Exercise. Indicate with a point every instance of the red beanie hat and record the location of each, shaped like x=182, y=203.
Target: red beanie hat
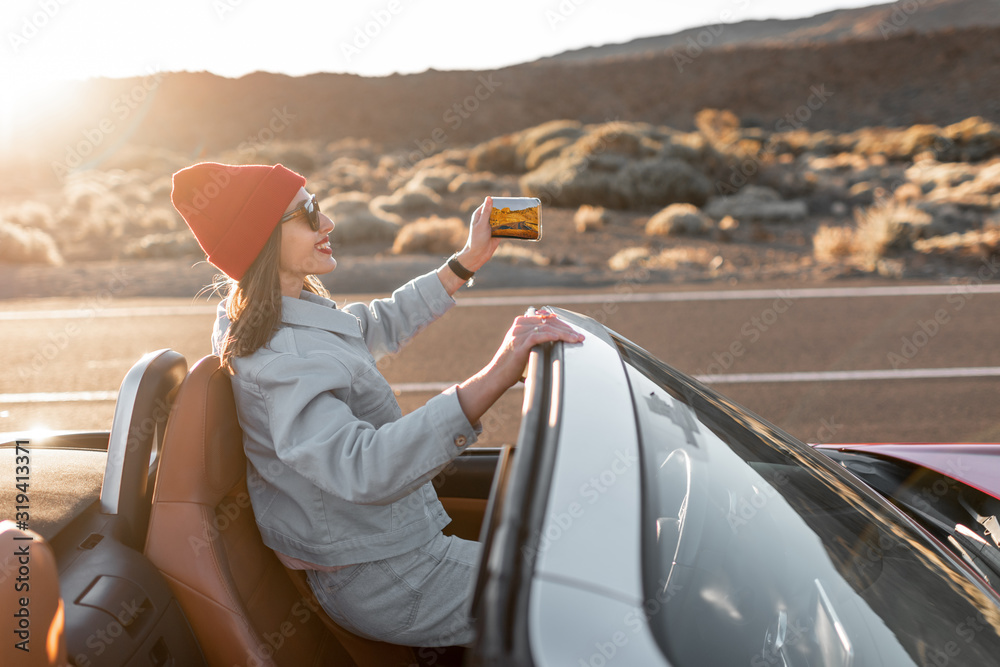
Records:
x=232, y=209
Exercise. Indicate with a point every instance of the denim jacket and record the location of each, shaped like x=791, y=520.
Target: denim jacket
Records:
x=336, y=474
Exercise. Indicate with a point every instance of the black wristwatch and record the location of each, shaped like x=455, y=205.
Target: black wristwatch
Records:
x=460, y=271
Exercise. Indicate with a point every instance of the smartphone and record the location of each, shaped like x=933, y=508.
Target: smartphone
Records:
x=517, y=218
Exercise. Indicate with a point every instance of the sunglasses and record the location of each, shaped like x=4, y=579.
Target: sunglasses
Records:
x=311, y=208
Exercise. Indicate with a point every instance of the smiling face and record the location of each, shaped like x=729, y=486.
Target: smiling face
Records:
x=303, y=251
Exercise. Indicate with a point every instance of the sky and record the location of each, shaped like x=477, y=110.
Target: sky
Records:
x=44, y=40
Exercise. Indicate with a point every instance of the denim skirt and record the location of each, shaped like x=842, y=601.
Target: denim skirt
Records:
x=420, y=598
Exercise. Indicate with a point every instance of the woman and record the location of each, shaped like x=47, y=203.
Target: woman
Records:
x=339, y=480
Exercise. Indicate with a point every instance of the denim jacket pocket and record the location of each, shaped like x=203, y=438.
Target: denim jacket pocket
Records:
x=370, y=393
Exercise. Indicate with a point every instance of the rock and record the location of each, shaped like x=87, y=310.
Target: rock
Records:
x=677, y=220
x=754, y=203
x=588, y=218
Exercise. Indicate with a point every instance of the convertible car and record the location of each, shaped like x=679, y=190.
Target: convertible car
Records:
x=641, y=518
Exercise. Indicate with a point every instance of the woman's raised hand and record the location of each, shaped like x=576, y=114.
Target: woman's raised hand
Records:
x=481, y=244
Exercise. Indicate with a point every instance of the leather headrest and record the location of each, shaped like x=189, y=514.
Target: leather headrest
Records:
x=203, y=445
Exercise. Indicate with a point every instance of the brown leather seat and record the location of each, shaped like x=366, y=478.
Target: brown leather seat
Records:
x=24, y=553
x=242, y=604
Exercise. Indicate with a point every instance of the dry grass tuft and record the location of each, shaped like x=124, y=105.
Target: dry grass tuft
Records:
x=431, y=236
x=832, y=244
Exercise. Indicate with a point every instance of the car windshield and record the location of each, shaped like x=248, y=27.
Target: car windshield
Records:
x=759, y=552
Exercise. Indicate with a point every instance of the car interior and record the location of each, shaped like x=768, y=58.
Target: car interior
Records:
x=144, y=548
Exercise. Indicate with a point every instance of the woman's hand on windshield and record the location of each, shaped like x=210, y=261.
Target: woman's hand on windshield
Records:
x=480, y=391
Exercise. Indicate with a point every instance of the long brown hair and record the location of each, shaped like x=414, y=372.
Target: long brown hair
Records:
x=254, y=303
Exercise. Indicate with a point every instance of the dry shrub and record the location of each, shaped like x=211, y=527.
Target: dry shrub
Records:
x=347, y=174
x=615, y=181
x=629, y=139
x=974, y=139
x=24, y=245
x=147, y=158
x=679, y=219
x=977, y=243
x=720, y=126
x=520, y=255
x=93, y=220
x=464, y=184
x=547, y=151
x=431, y=236
x=435, y=178
x=498, y=155
x=414, y=201
x=668, y=258
x=890, y=227
x=832, y=244
x=675, y=258
x=32, y=214
x=531, y=139
x=355, y=222
x=629, y=258
x=299, y=156
x=168, y=245
x=588, y=218
x=757, y=203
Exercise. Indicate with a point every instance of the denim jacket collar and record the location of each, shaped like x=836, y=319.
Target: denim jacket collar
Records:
x=312, y=310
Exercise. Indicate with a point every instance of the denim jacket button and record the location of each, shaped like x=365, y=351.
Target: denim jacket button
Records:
x=460, y=440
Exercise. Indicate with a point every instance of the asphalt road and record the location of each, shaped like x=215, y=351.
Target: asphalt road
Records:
x=826, y=364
